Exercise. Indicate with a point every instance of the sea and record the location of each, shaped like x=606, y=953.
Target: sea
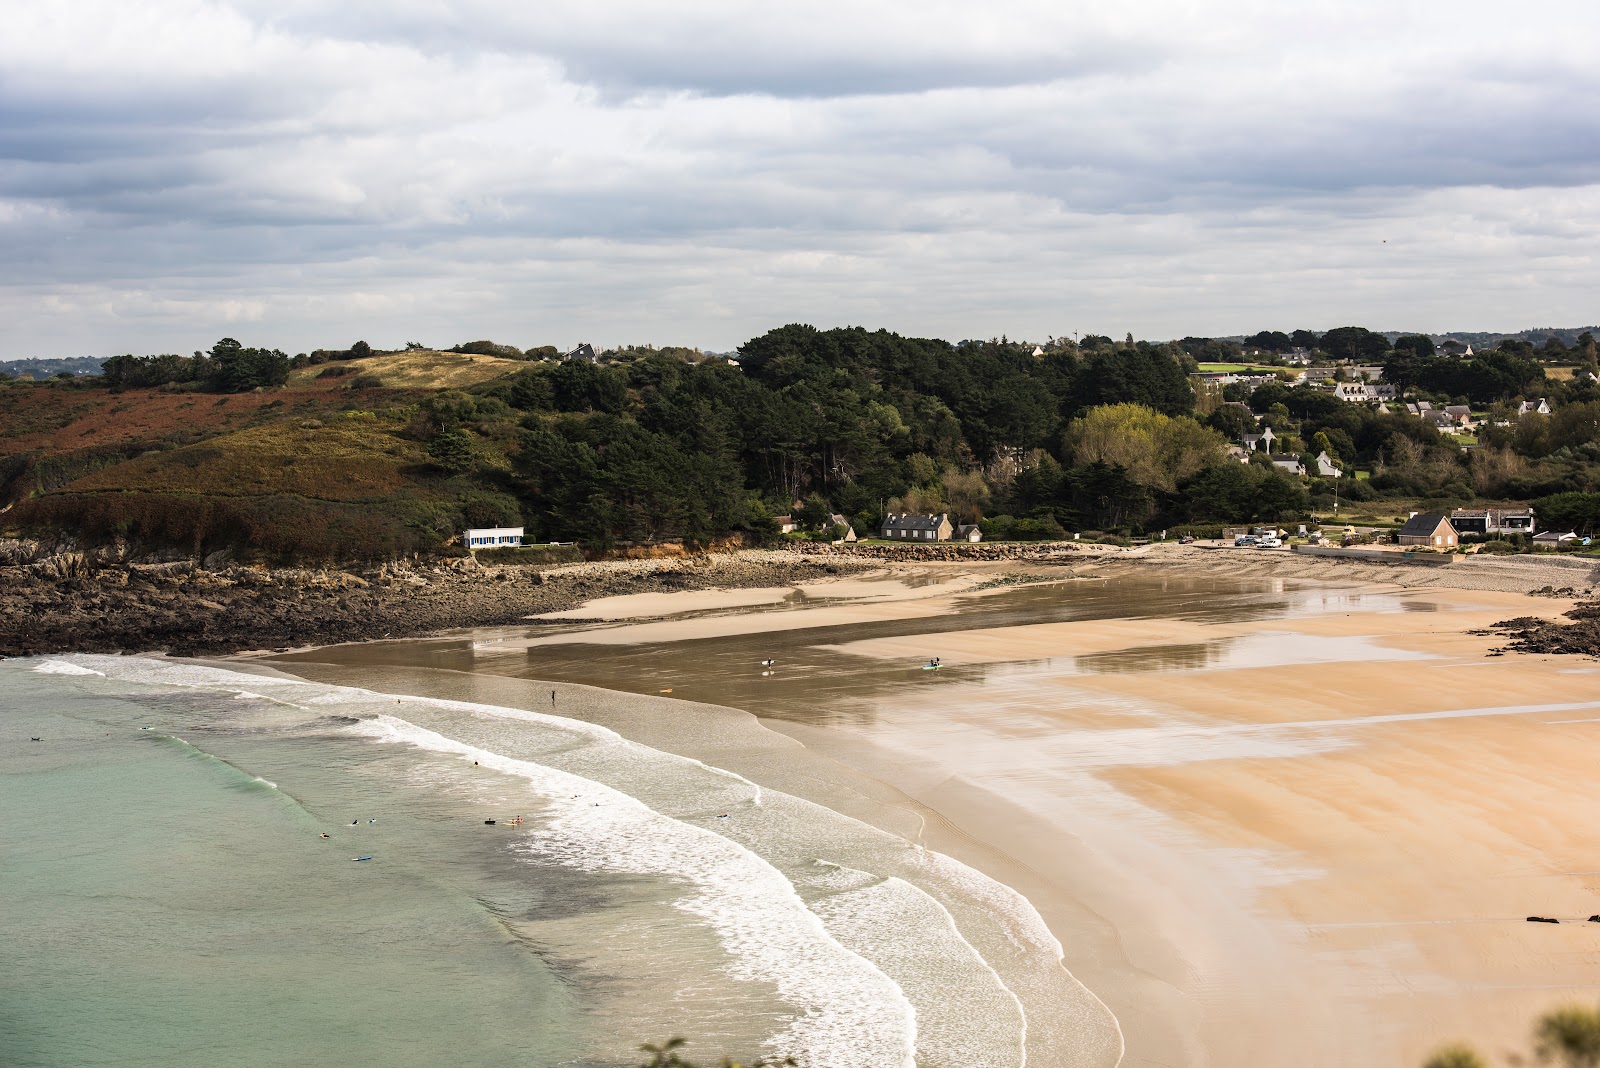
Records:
x=206, y=864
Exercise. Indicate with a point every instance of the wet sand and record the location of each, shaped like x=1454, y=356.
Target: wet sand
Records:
x=1272, y=822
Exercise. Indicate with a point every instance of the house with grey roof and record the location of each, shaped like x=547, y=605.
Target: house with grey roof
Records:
x=1262, y=441
x=836, y=520
x=1428, y=528
x=584, y=351
x=908, y=527
x=1290, y=463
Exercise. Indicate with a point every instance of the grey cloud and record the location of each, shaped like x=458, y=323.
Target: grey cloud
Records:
x=568, y=168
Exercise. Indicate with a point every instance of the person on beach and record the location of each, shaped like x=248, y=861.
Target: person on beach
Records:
x=552, y=699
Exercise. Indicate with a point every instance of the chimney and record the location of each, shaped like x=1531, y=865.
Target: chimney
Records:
x=1413, y=515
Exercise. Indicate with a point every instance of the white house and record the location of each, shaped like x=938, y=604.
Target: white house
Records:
x=1537, y=407
x=1362, y=392
x=1262, y=440
x=1325, y=467
x=1290, y=463
x=491, y=537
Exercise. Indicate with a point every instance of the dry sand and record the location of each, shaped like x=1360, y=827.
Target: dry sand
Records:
x=1308, y=842
x=1266, y=860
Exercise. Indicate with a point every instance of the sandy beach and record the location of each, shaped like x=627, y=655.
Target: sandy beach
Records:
x=1308, y=835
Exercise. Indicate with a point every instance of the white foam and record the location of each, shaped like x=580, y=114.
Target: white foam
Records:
x=977, y=909
x=62, y=667
x=915, y=939
x=851, y=1014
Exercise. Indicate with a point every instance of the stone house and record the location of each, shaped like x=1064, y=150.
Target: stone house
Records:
x=907, y=527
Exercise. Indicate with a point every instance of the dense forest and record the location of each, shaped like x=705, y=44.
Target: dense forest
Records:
x=1031, y=441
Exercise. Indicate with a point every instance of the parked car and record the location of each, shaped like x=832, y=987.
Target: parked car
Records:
x=1186, y=539
x=1271, y=541
x=1245, y=540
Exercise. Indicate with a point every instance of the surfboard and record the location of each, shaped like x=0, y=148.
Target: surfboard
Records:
x=360, y=858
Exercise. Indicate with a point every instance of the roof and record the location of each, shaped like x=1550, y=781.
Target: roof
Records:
x=916, y=522
x=1422, y=525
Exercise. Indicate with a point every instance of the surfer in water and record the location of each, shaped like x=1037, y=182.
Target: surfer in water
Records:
x=768, y=663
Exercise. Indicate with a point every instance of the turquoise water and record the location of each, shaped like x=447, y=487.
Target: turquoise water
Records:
x=170, y=900
x=165, y=906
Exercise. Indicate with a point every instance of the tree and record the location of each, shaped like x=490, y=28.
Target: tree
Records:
x=967, y=493
x=453, y=451
x=1418, y=345
x=1153, y=449
x=813, y=514
x=1231, y=421
x=1265, y=396
x=1570, y=1035
x=1456, y=1055
x=236, y=369
x=360, y=350
x=1354, y=343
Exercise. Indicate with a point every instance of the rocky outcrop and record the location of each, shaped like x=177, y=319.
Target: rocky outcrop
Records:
x=951, y=551
x=68, y=602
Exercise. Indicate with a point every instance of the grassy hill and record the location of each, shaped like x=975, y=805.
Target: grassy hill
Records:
x=325, y=467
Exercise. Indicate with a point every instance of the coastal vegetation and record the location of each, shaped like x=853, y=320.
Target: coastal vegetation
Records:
x=358, y=454
x=1568, y=1036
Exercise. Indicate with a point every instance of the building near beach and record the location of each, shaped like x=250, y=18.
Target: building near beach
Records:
x=1428, y=528
x=1488, y=521
x=492, y=537
x=918, y=527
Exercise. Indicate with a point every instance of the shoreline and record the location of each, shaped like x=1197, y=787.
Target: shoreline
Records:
x=1106, y=884
x=70, y=604
x=73, y=602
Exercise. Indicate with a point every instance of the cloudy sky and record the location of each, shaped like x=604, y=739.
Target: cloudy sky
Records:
x=303, y=173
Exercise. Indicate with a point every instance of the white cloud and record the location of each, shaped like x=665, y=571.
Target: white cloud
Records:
x=702, y=171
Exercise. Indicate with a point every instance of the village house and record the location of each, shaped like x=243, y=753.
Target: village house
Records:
x=1363, y=392
x=1290, y=463
x=918, y=527
x=1488, y=521
x=968, y=532
x=1428, y=528
x=491, y=537
x=785, y=524
x=836, y=520
x=1452, y=347
x=584, y=351
x=1461, y=416
x=1324, y=467
x=1262, y=441
x=1550, y=539
x=1534, y=407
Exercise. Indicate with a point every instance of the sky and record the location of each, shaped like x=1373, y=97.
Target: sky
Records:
x=301, y=173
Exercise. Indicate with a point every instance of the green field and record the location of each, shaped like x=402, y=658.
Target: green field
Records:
x=1235, y=368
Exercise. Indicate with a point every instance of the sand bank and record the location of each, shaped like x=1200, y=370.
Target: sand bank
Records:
x=1306, y=837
